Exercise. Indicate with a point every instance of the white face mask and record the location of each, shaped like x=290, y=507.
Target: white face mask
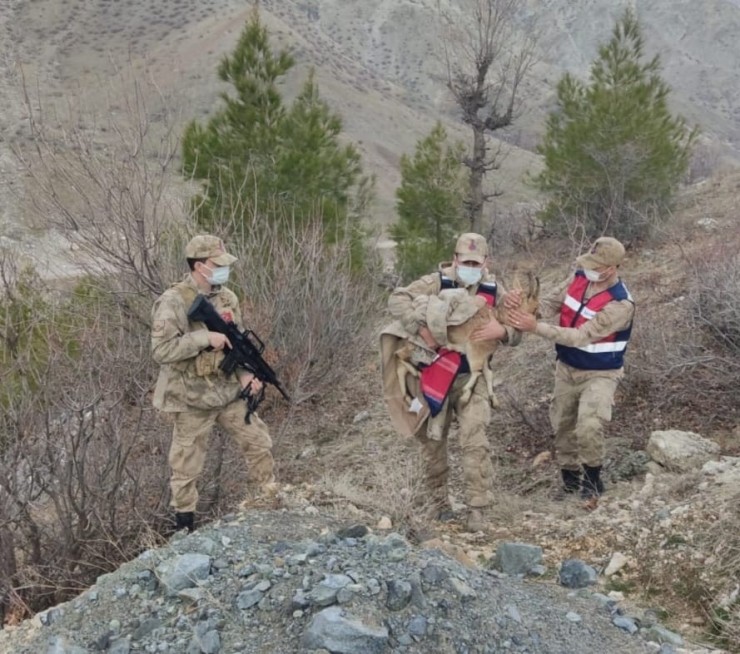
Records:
x=218, y=276
x=469, y=275
x=592, y=275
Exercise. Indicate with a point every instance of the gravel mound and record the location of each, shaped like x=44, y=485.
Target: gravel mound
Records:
x=278, y=582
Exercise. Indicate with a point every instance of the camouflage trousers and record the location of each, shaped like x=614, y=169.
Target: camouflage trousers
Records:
x=472, y=419
x=190, y=441
x=581, y=407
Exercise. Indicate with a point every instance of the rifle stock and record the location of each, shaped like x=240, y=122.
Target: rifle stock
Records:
x=245, y=351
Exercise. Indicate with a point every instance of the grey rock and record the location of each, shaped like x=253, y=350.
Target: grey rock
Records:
x=354, y=531
x=434, y=574
x=623, y=622
x=574, y=573
x=184, y=571
x=417, y=593
x=513, y=612
x=61, y=645
x=417, y=626
x=517, y=558
x=399, y=594
x=463, y=591
x=331, y=630
x=120, y=646
x=659, y=634
x=325, y=593
x=680, y=451
x=145, y=628
x=210, y=642
x=300, y=601
x=51, y=616
x=248, y=598
x=572, y=616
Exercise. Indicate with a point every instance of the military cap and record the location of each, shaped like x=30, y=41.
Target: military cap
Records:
x=205, y=246
x=605, y=251
x=471, y=247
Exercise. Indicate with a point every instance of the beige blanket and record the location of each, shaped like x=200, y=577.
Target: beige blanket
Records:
x=437, y=312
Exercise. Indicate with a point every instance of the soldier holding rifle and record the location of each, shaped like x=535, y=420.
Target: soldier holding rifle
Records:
x=192, y=386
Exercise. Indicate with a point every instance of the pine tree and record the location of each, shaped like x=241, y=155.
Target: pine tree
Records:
x=430, y=204
x=311, y=164
x=256, y=153
x=614, y=154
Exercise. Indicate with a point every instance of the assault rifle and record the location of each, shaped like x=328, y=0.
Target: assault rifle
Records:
x=245, y=351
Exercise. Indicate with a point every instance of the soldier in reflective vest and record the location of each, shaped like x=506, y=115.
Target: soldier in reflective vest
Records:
x=467, y=270
x=596, y=312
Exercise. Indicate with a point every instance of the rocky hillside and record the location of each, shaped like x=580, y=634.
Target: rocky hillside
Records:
x=378, y=62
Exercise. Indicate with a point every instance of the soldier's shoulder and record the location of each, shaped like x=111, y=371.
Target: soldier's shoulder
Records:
x=171, y=298
x=229, y=295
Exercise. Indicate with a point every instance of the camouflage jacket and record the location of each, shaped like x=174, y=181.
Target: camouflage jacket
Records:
x=189, y=377
x=402, y=307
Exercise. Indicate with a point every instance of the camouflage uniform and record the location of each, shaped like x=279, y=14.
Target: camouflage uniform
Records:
x=191, y=387
x=473, y=418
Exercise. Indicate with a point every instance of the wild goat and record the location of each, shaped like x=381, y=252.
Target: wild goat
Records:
x=458, y=337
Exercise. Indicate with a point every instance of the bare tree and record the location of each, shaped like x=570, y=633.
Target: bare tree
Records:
x=487, y=58
x=102, y=177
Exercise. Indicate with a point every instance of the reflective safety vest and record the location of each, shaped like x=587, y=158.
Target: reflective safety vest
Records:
x=606, y=354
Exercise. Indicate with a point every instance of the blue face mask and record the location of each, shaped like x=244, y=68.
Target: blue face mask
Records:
x=469, y=275
x=219, y=276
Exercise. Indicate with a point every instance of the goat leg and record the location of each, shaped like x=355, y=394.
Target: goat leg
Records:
x=488, y=376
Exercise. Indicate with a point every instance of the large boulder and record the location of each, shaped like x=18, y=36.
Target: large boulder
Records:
x=680, y=451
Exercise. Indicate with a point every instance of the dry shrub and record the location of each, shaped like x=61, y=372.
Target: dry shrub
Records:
x=721, y=580
x=715, y=299
x=514, y=230
x=102, y=178
x=380, y=474
x=306, y=296
x=82, y=454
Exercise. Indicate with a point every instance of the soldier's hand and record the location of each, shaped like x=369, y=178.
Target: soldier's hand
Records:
x=254, y=384
x=427, y=337
x=491, y=331
x=524, y=322
x=217, y=341
x=513, y=299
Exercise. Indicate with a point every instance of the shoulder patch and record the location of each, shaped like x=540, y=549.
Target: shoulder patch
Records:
x=158, y=327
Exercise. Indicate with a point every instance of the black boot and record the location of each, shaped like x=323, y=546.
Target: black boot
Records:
x=185, y=521
x=571, y=480
x=592, y=486
x=571, y=484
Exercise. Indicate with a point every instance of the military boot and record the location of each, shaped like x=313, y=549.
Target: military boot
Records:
x=570, y=486
x=185, y=521
x=591, y=484
x=476, y=520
